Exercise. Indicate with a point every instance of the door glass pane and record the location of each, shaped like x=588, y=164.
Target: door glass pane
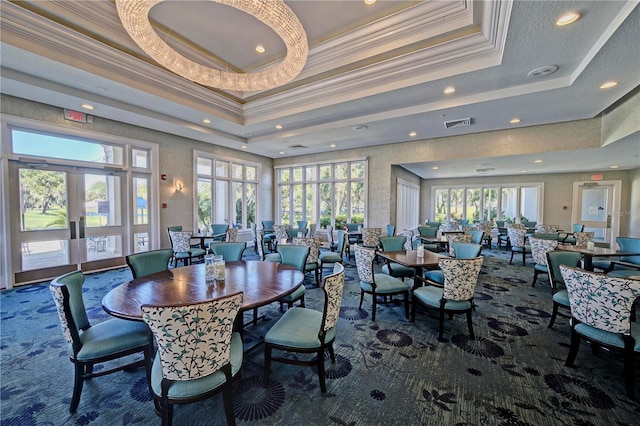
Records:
x=473, y=205
x=297, y=201
x=204, y=203
x=284, y=205
x=594, y=205
x=238, y=198
x=44, y=254
x=509, y=206
x=102, y=195
x=529, y=204
x=141, y=242
x=340, y=194
x=222, y=168
x=490, y=204
x=457, y=204
x=140, y=190
x=251, y=203
x=204, y=166
x=357, y=202
x=325, y=206
x=442, y=204
x=104, y=247
x=221, y=207
x=43, y=200
x=139, y=158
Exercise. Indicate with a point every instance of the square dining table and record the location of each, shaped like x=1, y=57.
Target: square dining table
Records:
x=589, y=254
x=411, y=259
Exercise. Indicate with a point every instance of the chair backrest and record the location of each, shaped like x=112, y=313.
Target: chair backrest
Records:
x=312, y=229
x=452, y=238
x=364, y=263
x=530, y=224
x=302, y=223
x=547, y=229
x=484, y=226
x=599, y=300
x=393, y=243
x=180, y=241
x=427, y=231
x=578, y=227
x=466, y=250
x=260, y=244
x=629, y=244
x=230, y=251
x=433, y=224
x=208, y=345
x=67, y=295
x=460, y=277
x=408, y=234
x=149, y=262
x=330, y=234
x=371, y=237
x=293, y=255
x=476, y=236
x=342, y=242
x=281, y=232
x=314, y=247
x=353, y=226
x=332, y=286
x=391, y=230
x=176, y=228
x=267, y=224
x=582, y=238
x=232, y=235
x=451, y=225
x=516, y=236
x=219, y=228
x=539, y=249
x=557, y=258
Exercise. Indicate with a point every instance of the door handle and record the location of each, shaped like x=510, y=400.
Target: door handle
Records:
x=81, y=225
x=72, y=228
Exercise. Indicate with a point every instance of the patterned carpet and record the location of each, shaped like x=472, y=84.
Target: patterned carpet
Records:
x=388, y=372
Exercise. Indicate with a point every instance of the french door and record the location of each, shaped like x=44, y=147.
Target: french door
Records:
x=65, y=218
x=595, y=207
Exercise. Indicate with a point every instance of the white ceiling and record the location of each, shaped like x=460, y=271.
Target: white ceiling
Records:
x=382, y=66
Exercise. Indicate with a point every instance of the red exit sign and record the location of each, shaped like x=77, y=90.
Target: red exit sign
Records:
x=72, y=115
x=596, y=177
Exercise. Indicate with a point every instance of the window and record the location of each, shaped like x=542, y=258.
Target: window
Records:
x=226, y=192
x=509, y=202
x=326, y=194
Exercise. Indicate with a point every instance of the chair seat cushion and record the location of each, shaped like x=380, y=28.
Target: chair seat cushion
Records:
x=385, y=284
x=526, y=249
x=298, y=328
x=111, y=336
x=190, y=388
x=436, y=276
x=398, y=271
x=606, y=337
x=601, y=264
x=273, y=257
x=541, y=268
x=297, y=293
x=561, y=297
x=311, y=266
x=624, y=273
x=195, y=252
x=569, y=240
x=431, y=296
x=330, y=257
x=432, y=247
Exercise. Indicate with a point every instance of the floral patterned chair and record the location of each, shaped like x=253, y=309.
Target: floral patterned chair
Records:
x=463, y=251
x=456, y=296
x=303, y=330
x=182, y=248
x=215, y=353
x=408, y=234
x=582, y=238
x=280, y=234
x=601, y=314
x=547, y=229
x=334, y=256
x=486, y=227
x=232, y=235
x=461, y=238
x=88, y=344
x=559, y=292
x=377, y=284
x=517, y=242
x=313, y=262
x=333, y=244
x=539, y=249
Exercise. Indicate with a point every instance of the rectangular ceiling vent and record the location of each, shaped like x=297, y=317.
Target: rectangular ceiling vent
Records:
x=298, y=147
x=488, y=169
x=463, y=122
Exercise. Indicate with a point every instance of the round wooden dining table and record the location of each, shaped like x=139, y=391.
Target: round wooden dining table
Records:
x=261, y=282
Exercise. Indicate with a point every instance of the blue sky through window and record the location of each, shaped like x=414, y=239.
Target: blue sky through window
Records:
x=29, y=143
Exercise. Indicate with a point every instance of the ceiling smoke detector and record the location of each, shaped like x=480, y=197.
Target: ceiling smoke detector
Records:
x=359, y=127
x=297, y=146
x=463, y=122
x=487, y=169
x=543, y=71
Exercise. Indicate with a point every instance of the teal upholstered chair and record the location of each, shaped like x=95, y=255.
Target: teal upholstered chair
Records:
x=463, y=251
x=178, y=228
x=302, y=224
x=546, y=236
x=559, y=292
x=391, y=230
x=430, y=232
x=433, y=224
x=476, y=236
x=296, y=256
x=517, y=243
x=89, y=345
x=455, y=238
x=627, y=265
x=293, y=232
x=302, y=330
x=229, y=251
x=268, y=234
x=456, y=294
x=601, y=314
x=577, y=227
x=329, y=257
x=214, y=351
x=539, y=249
x=377, y=284
x=313, y=263
x=182, y=249
x=149, y=262
x=391, y=268
x=221, y=230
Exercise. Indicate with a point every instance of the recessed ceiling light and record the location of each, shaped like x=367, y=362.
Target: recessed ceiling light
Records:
x=567, y=18
x=279, y=126
x=281, y=152
x=413, y=134
x=449, y=90
x=206, y=121
x=514, y=121
x=243, y=147
x=538, y=161
x=246, y=134
x=524, y=171
x=333, y=145
x=609, y=84
x=260, y=49
x=614, y=167
x=435, y=167
x=87, y=106
x=369, y=1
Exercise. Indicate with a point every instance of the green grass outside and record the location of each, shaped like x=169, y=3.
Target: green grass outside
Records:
x=34, y=219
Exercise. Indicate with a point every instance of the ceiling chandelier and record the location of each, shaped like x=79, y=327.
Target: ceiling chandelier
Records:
x=134, y=15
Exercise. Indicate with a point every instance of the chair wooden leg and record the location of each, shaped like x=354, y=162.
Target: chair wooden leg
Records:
x=332, y=354
x=523, y=255
x=629, y=356
x=361, y=299
x=470, y=325
x=535, y=277
x=78, y=381
x=375, y=303
x=511, y=260
x=413, y=310
x=554, y=314
x=573, y=350
x=441, y=325
x=321, y=374
x=267, y=364
x=302, y=301
x=227, y=396
x=406, y=305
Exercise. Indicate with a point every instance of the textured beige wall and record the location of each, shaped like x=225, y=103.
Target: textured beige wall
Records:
x=633, y=213
x=622, y=121
x=176, y=159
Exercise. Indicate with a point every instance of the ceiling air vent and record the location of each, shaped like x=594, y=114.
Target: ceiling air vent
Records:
x=298, y=147
x=488, y=169
x=463, y=122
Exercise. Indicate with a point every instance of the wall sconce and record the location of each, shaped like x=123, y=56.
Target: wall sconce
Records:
x=177, y=185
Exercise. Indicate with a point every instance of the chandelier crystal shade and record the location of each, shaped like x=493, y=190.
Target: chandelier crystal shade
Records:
x=134, y=15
